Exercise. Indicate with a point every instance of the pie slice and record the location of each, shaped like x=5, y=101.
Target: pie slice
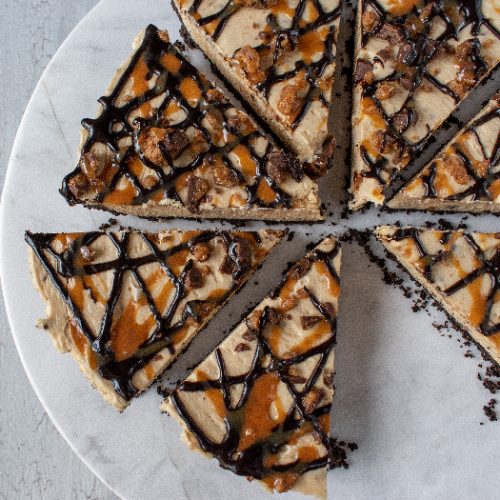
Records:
x=167, y=143
x=260, y=403
x=126, y=303
x=462, y=272
x=416, y=62
x=466, y=175
x=280, y=56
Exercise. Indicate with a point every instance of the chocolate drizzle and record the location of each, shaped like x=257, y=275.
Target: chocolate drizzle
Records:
x=114, y=127
x=313, y=71
x=68, y=265
x=411, y=32
x=255, y=460
x=489, y=267
x=482, y=181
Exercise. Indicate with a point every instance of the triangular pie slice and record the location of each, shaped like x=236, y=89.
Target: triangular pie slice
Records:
x=416, y=61
x=461, y=270
x=126, y=303
x=167, y=143
x=466, y=175
x=280, y=56
x=260, y=403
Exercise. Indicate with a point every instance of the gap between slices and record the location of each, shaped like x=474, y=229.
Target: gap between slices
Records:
x=460, y=269
x=125, y=304
x=416, y=61
x=280, y=56
x=167, y=143
x=260, y=403
x=465, y=176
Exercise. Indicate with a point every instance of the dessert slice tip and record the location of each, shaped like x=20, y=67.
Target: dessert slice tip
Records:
x=260, y=402
x=125, y=304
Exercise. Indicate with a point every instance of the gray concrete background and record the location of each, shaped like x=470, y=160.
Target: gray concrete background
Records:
x=35, y=461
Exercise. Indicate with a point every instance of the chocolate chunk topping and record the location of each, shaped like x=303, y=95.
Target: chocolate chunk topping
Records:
x=175, y=142
x=308, y=322
x=274, y=316
x=201, y=252
x=312, y=399
x=194, y=278
x=197, y=188
x=242, y=347
x=364, y=72
x=301, y=268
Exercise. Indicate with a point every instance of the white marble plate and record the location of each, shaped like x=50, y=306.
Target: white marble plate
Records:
x=405, y=394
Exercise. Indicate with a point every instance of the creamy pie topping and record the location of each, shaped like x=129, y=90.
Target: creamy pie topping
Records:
x=416, y=61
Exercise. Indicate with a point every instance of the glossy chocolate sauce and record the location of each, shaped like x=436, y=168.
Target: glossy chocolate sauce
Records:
x=121, y=372
x=113, y=125
x=252, y=460
x=421, y=49
x=488, y=267
x=290, y=34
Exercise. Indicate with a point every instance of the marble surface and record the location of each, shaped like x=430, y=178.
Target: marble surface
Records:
x=35, y=461
x=405, y=394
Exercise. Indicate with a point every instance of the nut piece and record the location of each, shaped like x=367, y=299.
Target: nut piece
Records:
x=215, y=96
x=197, y=188
x=91, y=166
x=391, y=33
x=78, y=185
x=455, y=166
x=280, y=163
x=224, y=176
x=364, y=72
x=274, y=316
x=308, y=322
x=228, y=265
x=201, y=252
x=193, y=279
x=175, y=142
x=385, y=90
x=312, y=399
x=292, y=98
x=250, y=62
x=369, y=20
x=319, y=167
x=149, y=141
x=86, y=253
x=240, y=123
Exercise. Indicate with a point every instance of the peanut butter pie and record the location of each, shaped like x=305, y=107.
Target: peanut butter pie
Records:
x=280, y=56
x=167, y=143
x=462, y=272
x=466, y=175
x=260, y=403
x=126, y=303
x=416, y=62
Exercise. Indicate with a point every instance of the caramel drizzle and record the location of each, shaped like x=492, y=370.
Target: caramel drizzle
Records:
x=489, y=267
x=250, y=462
x=423, y=51
x=120, y=373
x=313, y=71
x=480, y=190
x=101, y=130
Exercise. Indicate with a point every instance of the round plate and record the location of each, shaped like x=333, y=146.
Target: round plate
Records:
x=406, y=395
